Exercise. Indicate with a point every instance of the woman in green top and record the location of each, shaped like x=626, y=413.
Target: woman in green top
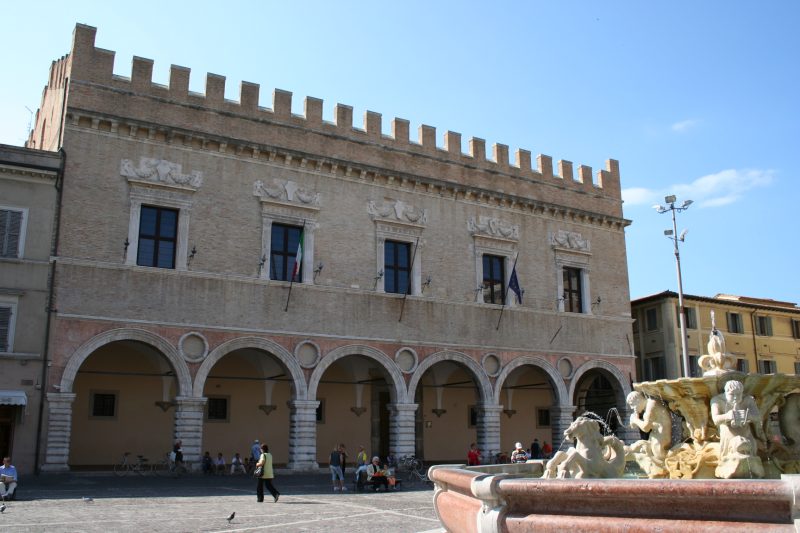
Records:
x=265, y=461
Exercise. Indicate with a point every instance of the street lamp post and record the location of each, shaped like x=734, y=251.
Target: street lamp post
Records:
x=673, y=234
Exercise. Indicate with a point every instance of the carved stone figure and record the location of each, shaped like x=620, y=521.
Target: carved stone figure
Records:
x=737, y=418
x=789, y=416
x=160, y=171
x=398, y=210
x=650, y=416
x=286, y=191
x=493, y=227
x=593, y=456
x=717, y=360
x=569, y=239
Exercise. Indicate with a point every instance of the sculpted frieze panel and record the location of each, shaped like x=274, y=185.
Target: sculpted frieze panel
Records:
x=286, y=191
x=397, y=211
x=569, y=240
x=160, y=171
x=492, y=227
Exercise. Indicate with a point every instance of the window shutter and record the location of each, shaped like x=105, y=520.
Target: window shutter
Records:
x=5, y=325
x=10, y=226
x=769, y=325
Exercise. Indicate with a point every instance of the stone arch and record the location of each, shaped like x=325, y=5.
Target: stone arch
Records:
x=559, y=387
x=484, y=385
x=599, y=364
x=274, y=349
x=169, y=351
x=367, y=351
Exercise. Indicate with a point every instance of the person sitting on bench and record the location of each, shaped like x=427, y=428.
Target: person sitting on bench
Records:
x=8, y=479
x=377, y=475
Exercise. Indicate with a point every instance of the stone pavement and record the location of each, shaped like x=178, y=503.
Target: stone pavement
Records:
x=56, y=503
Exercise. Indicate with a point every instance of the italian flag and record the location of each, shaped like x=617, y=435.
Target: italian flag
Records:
x=298, y=259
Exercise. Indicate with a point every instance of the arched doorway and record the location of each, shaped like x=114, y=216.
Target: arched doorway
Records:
x=450, y=389
x=600, y=388
x=248, y=394
x=527, y=394
x=355, y=387
x=125, y=393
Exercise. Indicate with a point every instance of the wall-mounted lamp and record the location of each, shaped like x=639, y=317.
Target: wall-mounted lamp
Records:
x=261, y=264
x=427, y=283
x=377, y=278
x=317, y=270
x=597, y=301
x=126, y=244
x=191, y=255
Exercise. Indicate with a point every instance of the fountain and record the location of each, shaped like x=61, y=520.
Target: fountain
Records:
x=728, y=466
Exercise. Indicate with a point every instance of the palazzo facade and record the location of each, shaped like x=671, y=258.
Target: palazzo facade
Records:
x=179, y=313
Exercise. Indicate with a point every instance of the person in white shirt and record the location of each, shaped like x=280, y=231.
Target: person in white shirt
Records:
x=8, y=479
x=219, y=464
x=237, y=465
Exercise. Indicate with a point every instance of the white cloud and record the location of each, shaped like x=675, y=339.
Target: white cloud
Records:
x=685, y=125
x=713, y=190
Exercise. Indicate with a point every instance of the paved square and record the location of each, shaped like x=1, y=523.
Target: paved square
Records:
x=56, y=503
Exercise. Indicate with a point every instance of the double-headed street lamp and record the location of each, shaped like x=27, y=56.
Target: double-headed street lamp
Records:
x=673, y=234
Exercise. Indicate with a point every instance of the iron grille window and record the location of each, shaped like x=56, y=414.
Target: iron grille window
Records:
x=10, y=232
x=158, y=236
x=494, y=279
x=396, y=267
x=217, y=409
x=104, y=404
x=543, y=418
x=283, y=252
x=735, y=323
x=573, y=302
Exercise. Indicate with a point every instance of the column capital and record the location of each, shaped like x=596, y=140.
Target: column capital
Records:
x=403, y=407
x=490, y=408
x=61, y=397
x=304, y=404
x=190, y=401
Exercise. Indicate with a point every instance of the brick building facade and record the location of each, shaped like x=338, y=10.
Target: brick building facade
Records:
x=182, y=216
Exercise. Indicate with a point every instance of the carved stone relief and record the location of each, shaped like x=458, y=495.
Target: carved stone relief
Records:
x=160, y=171
x=492, y=227
x=286, y=191
x=397, y=210
x=570, y=240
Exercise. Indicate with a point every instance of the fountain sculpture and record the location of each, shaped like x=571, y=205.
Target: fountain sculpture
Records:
x=728, y=466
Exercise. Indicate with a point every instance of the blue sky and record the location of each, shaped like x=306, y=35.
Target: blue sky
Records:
x=699, y=99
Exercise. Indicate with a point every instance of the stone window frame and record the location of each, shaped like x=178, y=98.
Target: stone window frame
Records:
x=571, y=250
x=12, y=303
x=305, y=217
x=386, y=230
x=23, y=230
x=146, y=194
x=505, y=248
x=114, y=393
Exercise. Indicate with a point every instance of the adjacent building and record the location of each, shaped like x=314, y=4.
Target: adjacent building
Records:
x=763, y=334
x=28, y=200
x=228, y=271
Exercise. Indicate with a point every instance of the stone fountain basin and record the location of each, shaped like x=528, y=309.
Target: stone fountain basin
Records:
x=512, y=498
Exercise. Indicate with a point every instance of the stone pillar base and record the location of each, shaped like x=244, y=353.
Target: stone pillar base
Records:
x=303, y=436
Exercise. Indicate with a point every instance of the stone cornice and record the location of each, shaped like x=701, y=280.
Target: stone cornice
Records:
x=293, y=159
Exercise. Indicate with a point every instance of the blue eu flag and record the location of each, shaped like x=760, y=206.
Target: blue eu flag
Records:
x=513, y=284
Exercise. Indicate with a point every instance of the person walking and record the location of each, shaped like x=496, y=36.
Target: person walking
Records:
x=536, y=450
x=265, y=461
x=255, y=450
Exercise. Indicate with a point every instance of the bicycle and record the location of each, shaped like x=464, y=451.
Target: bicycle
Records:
x=163, y=467
x=125, y=467
x=414, y=469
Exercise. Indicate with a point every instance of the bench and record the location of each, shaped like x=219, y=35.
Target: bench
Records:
x=362, y=484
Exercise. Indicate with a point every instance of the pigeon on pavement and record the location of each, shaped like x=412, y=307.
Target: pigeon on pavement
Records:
x=88, y=499
x=3, y=508
x=231, y=517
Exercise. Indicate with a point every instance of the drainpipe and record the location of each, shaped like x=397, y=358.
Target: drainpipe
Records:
x=50, y=309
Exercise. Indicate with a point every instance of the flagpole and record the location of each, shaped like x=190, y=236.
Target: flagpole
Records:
x=291, y=282
x=505, y=296
x=410, y=278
